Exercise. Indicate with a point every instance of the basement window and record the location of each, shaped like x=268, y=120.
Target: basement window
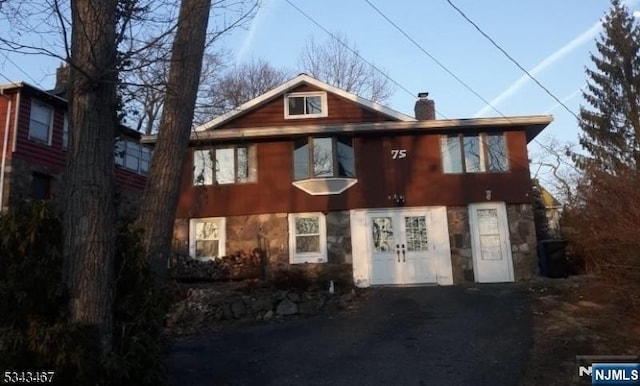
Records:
x=307, y=238
x=207, y=238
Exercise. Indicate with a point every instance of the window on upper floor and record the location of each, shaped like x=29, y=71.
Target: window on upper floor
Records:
x=323, y=157
x=65, y=132
x=132, y=156
x=223, y=165
x=477, y=153
x=305, y=105
x=40, y=122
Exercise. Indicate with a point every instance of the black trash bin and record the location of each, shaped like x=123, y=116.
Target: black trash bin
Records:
x=552, y=258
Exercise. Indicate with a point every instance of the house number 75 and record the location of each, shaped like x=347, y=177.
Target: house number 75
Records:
x=398, y=153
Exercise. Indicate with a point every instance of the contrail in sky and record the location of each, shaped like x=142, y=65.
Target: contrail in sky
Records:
x=566, y=99
x=584, y=37
x=263, y=11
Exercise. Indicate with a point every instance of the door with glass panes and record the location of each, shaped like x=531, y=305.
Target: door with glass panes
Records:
x=400, y=246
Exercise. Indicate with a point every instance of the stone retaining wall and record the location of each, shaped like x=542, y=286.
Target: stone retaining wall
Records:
x=204, y=308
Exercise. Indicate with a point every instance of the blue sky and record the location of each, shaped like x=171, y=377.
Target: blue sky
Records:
x=552, y=38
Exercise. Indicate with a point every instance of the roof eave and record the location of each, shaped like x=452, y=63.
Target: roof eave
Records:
x=532, y=126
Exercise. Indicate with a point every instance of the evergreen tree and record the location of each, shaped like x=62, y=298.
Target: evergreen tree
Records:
x=611, y=122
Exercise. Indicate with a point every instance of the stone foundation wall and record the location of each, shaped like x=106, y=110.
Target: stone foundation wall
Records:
x=522, y=235
x=460, y=242
x=19, y=176
x=270, y=233
x=522, y=231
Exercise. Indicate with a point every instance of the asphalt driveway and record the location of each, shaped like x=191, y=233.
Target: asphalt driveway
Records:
x=457, y=335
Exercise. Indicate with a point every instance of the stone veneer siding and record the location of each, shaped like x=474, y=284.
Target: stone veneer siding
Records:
x=460, y=242
x=522, y=231
x=18, y=177
x=270, y=234
x=522, y=235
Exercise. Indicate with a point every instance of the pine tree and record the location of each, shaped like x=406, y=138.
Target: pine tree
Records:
x=611, y=123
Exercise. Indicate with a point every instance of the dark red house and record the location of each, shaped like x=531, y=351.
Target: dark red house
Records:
x=33, y=139
x=320, y=178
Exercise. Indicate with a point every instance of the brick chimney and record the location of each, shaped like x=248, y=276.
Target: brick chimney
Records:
x=62, y=80
x=425, y=109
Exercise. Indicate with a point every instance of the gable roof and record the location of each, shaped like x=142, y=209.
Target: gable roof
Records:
x=549, y=200
x=293, y=83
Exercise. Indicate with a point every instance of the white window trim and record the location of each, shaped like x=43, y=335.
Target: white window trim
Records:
x=222, y=221
x=323, y=98
x=51, y=119
x=325, y=186
x=307, y=257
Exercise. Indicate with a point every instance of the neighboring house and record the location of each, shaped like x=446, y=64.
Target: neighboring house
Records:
x=552, y=210
x=326, y=181
x=34, y=134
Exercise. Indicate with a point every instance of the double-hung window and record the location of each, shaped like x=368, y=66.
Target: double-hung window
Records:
x=477, y=153
x=307, y=238
x=323, y=157
x=65, y=132
x=207, y=238
x=225, y=165
x=40, y=122
x=305, y=105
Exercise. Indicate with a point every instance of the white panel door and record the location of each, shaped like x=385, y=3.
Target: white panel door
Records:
x=384, y=244
x=402, y=246
x=490, y=243
x=418, y=262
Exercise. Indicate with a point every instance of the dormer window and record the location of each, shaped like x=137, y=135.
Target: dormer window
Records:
x=305, y=105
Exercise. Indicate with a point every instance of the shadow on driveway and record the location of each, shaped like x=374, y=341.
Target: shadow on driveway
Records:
x=457, y=335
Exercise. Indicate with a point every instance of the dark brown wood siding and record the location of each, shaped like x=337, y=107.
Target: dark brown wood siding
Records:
x=418, y=177
x=340, y=111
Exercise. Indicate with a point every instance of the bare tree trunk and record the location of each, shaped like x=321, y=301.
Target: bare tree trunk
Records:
x=157, y=212
x=89, y=217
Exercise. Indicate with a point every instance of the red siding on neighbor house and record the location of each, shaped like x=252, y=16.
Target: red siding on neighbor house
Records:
x=418, y=177
x=53, y=156
x=340, y=111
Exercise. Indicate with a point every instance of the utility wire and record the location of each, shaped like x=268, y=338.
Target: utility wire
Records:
x=19, y=68
x=456, y=77
x=510, y=58
x=547, y=148
x=356, y=53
